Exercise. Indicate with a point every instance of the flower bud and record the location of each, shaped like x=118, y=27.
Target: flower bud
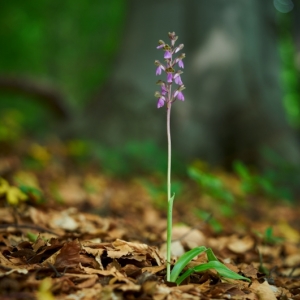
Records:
x=161, y=44
x=180, y=47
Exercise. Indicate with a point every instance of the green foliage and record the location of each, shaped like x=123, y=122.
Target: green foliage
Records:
x=157, y=191
x=12, y=194
x=72, y=45
x=290, y=75
x=262, y=267
x=269, y=237
x=251, y=183
x=11, y=125
x=32, y=237
x=135, y=157
x=20, y=116
x=214, y=187
x=33, y=193
x=274, y=183
x=212, y=263
x=208, y=218
x=184, y=260
x=79, y=150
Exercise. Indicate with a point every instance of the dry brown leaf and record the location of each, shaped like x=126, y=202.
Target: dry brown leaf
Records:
x=88, y=283
x=68, y=255
x=6, y=215
x=292, y=260
x=249, y=271
x=149, y=287
x=132, y=270
x=71, y=191
x=240, y=245
x=64, y=220
x=272, y=251
x=263, y=290
x=105, y=266
x=177, y=249
x=288, y=232
x=188, y=236
x=154, y=270
x=112, y=272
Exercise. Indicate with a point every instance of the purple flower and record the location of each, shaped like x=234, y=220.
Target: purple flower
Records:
x=179, y=48
x=169, y=67
x=163, y=90
x=161, y=102
x=161, y=44
x=177, y=79
x=179, y=95
x=168, y=55
x=158, y=70
x=180, y=63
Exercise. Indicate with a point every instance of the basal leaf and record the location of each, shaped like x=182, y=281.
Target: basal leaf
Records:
x=216, y=265
x=184, y=260
x=210, y=255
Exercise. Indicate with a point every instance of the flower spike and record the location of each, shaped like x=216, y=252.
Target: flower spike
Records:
x=172, y=75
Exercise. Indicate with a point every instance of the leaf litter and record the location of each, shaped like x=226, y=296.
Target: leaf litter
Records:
x=80, y=234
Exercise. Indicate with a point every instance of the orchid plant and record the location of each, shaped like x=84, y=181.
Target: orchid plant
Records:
x=166, y=97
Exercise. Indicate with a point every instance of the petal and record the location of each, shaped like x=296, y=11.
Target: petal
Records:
x=180, y=64
x=158, y=70
x=160, y=102
x=177, y=80
x=180, y=47
x=170, y=77
x=180, y=96
x=168, y=55
x=163, y=90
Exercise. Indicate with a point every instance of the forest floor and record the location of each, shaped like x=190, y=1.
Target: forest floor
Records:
x=81, y=234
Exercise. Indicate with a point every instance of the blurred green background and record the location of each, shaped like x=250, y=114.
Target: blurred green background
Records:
x=70, y=46
x=64, y=44
x=69, y=43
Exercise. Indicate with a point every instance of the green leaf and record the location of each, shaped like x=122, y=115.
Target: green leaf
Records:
x=216, y=265
x=32, y=237
x=210, y=255
x=184, y=260
x=185, y=275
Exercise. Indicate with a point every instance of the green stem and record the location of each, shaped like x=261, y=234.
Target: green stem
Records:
x=169, y=150
x=170, y=200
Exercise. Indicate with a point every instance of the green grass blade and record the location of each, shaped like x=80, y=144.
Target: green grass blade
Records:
x=184, y=260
